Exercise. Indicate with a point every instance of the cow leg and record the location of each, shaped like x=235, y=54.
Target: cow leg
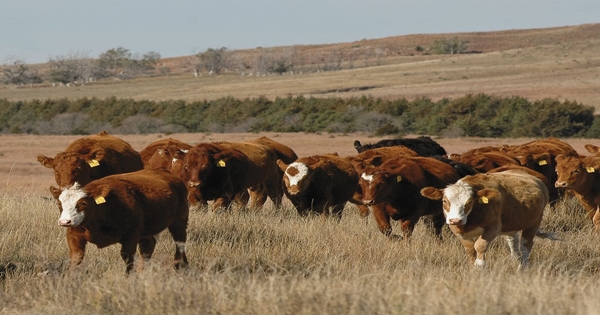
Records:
x=469, y=246
x=482, y=243
x=336, y=210
x=76, y=245
x=146, y=247
x=128, y=252
x=382, y=218
x=438, y=223
x=514, y=243
x=222, y=202
x=526, y=244
x=179, y=234
x=596, y=221
x=408, y=226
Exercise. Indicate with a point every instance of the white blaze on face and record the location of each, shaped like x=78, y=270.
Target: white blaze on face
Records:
x=295, y=173
x=457, y=203
x=68, y=199
x=368, y=178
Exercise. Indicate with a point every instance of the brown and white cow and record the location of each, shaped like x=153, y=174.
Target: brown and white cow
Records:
x=129, y=209
x=220, y=171
x=580, y=175
x=319, y=182
x=91, y=158
x=481, y=207
x=392, y=191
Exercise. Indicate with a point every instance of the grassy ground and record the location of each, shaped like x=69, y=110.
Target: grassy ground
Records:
x=271, y=261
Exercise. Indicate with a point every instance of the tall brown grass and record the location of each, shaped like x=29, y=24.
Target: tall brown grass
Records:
x=272, y=261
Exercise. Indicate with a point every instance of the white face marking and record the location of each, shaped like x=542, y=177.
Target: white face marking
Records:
x=457, y=196
x=68, y=199
x=368, y=178
x=302, y=172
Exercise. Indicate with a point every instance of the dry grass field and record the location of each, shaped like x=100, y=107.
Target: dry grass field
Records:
x=271, y=261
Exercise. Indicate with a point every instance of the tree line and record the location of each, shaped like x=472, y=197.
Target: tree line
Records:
x=120, y=63
x=474, y=115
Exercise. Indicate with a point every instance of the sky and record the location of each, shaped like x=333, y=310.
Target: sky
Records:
x=35, y=31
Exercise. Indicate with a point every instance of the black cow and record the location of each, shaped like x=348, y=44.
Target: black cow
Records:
x=424, y=146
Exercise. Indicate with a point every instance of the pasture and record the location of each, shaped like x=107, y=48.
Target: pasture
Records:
x=272, y=261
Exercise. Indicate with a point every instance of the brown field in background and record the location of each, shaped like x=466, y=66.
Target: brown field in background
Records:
x=560, y=63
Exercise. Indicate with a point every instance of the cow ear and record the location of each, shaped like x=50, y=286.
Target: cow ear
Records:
x=282, y=165
x=486, y=195
x=55, y=191
x=46, y=161
x=592, y=148
x=432, y=193
x=101, y=196
x=592, y=164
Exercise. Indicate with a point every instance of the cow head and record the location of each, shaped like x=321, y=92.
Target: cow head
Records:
x=206, y=169
x=572, y=171
x=71, y=167
x=296, y=176
x=458, y=200
x=377, y=184
x=75, y=202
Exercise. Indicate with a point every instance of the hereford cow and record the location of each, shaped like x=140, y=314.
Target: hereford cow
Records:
x=129, y=209
x=91, y=158
x=392, y=191
x=580, y=176
x=480, y=207
x=319, y=182
x=165, y=153
x=424, y=146
x=220, y=171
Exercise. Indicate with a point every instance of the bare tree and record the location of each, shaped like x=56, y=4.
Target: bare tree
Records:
x=19, y=73
x=214, y=60
x=72, y=68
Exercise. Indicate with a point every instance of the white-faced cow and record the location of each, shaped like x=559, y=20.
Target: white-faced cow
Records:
x=319, y=182
x=91, y=158
x=481, y=207
x=129, y=209
x=392, y=191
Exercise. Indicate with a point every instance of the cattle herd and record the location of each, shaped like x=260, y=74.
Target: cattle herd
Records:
x=109, y=193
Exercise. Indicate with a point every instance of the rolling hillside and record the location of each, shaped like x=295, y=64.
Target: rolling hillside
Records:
x=560, y=63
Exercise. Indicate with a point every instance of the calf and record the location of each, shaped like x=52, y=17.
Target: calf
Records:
x=129, y=209
x=319, y=182
x=481, y=207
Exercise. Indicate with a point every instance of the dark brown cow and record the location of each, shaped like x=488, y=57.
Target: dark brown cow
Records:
x=91, y=158
x=165, y=153
x=392, y=190
x=481, y=207
x=319, y=182
x=371, y=158
x=424, y=146
x=220, y=171
x=129, y=209
x=580, y=176
x=485, y=161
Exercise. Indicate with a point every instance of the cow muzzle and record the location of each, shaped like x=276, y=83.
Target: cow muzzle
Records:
x=455, y=221
x=65, y=222
x=561, y=184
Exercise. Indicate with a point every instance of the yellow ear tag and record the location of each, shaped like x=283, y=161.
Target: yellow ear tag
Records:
x=93, y=163
x=398, y=178
x=484, y=200
x=542, y=162
x=590, y=169
x=99, y=200
x=221, y=163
